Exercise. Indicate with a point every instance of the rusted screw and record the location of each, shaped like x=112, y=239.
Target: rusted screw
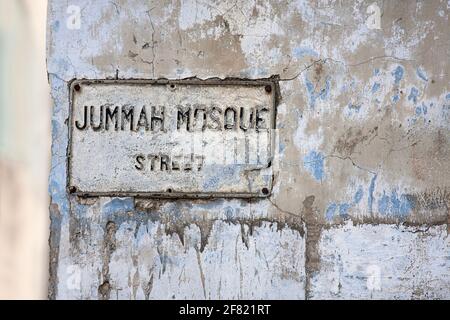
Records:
x=268, y=88
x=72, y=189
x=77, y=87
x=265, y=191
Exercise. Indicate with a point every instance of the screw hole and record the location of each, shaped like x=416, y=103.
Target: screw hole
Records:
x=172, y=86
x=72, y=189
x=268, y=88
x=265, y=191
x=169, y=190
x=77, y=87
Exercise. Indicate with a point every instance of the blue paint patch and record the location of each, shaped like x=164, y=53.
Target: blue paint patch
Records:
x=55, y=26
x=418, y=111
x=375, y=87
x=354, y=107
x=331, y=210
x=343, y=209
x=313, y=96
x=404, y=205
x=398, y=74
x=412, y=121
x=310, y=88
x=118, y=205
x=446, y=112
x=376, y=71
x=229, y=212
x=447, y=97
x=261, y=71
x=56, y=186
x=423, y=109
x=300, y=52
x=383, y=204
x=324, y=93
x=314, y=163
x=395, y=98
x=421, y=74
x=394, y=205
x=55, y=129
x=215, y=180
x=413, y=94
x=358, y=195
x=63, y=64
x=371, y=190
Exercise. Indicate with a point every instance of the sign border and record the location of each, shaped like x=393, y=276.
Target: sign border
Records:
x=270, y=84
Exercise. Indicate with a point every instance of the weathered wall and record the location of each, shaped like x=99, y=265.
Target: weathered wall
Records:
x=360, y=207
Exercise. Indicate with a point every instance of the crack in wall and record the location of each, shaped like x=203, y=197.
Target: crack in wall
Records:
x=313, y=232
x=109, y=246
x=53, y=241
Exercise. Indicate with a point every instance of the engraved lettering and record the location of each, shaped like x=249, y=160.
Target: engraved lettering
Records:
x=230, y=118
x=188, y=163
x=214, y=115
x=200, y=160
x=85, y=116
x=175, y=163
x=110, y=115
x=183, y=115
x=250, y=121
x=152, y=161
x=157, y=117
x=100, y=122
x=139, y=162
x=127, y=116
x=142, y=121
x=261, y=123
x=164, y=161
x=202, y=110
x=199, y=117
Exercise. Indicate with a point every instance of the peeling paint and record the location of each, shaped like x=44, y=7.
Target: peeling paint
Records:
x=314, y=163
x=361, y=174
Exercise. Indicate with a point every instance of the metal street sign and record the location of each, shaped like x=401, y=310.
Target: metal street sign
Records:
x=171, y=138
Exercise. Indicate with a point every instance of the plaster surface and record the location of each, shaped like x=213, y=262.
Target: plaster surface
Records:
x=361, y=189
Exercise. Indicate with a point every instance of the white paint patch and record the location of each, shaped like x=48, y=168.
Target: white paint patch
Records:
x=194, y=12
x=384, y=261
x=307, y=141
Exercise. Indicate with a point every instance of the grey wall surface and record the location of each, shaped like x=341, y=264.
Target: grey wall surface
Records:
x=361, y=197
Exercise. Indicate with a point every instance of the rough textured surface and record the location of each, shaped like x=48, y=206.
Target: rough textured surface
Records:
x=361, y=197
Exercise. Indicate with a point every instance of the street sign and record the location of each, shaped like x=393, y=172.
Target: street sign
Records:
x=187, y=138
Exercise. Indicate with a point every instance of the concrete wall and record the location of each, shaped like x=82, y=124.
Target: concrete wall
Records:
x=361, y=199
